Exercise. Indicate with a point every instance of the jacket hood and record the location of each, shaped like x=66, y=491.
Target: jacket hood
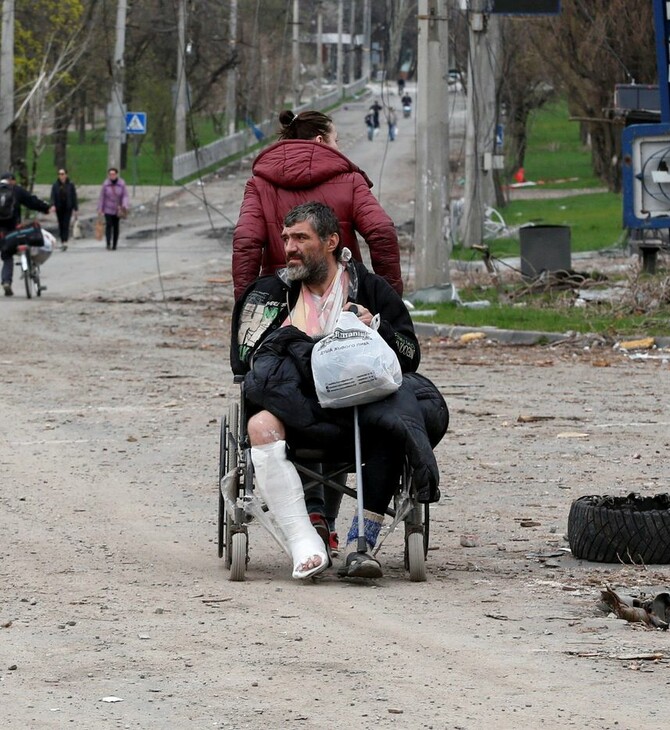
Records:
x=296, y=164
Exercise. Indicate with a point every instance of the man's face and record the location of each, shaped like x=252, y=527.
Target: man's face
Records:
x=306, y=255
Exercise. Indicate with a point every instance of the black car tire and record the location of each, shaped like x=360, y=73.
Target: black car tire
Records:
x=632, y=529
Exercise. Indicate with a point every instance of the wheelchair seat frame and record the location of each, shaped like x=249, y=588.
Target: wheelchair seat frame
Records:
x=238, y=504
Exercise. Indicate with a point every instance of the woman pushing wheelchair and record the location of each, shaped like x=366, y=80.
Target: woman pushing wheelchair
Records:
x=275, y=326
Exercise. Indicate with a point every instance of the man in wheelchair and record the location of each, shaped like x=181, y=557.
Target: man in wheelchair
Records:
x=275, y=325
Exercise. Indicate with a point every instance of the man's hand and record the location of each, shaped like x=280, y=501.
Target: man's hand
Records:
x=365, y=315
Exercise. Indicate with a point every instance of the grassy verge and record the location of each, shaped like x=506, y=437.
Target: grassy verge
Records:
x=557, y=158
x=561, y=316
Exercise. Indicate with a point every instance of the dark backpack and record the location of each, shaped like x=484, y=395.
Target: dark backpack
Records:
x=7, y=203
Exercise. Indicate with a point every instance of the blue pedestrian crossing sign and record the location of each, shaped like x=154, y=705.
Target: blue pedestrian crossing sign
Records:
x=136, y=123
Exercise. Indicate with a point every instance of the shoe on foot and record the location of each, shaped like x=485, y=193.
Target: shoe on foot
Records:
x=321, y=526
x=7, y=286
x=334, y=543
x=63, y=247
x=360, y=565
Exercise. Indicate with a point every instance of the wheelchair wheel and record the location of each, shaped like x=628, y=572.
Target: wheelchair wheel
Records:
x=417, y=531
x=227, y=461
x=238, y=556
x=415, y=557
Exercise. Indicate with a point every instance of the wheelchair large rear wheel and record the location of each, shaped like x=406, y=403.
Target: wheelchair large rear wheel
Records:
x=227, y=461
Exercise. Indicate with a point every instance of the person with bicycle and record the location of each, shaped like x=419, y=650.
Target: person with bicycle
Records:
x=12, y=197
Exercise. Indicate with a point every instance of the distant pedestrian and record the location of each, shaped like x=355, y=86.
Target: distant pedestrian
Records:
x=370, y=124
x=375, y=109
x=64, y=203
x=401, y=86
x=392, y=121
x=113, y=204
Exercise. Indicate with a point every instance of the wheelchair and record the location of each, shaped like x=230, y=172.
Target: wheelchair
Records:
x=238, y=505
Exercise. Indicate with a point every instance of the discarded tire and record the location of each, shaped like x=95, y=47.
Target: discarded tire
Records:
x=630, y=529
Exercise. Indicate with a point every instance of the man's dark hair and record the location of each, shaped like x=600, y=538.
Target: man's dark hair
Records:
x=321, y=217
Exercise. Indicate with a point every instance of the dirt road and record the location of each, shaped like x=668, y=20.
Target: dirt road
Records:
x=116, y=612
x=112, y=587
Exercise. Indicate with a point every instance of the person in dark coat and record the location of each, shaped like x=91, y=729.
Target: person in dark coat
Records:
x=64, y=203
x=274, y=326
x=21, y=197
x=307, y=165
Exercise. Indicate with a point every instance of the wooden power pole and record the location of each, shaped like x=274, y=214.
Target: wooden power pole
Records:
x=480, y=133
x=7, y=85
x=116, y=117
x=432, y=246
x=180, y=101
x=231, y=77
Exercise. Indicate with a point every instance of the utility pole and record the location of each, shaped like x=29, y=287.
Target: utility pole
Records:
x=340, y=58
x=180, y=102
x=367, y=23
x=7, y=85
x=352, y=35
x=116, y=119
x=432, y=277
x=480, y=157
x=231, y=80
x=296, y=53
x=319, y=44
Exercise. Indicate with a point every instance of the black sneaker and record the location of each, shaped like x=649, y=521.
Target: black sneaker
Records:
x=8, y=289
x=360, y=565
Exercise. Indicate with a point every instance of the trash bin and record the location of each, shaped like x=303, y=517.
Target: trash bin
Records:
x=544, y=248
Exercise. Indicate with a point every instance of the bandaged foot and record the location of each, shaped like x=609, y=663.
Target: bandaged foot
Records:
x=281, y=489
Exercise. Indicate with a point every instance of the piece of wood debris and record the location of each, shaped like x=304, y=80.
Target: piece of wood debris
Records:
x=645, y=343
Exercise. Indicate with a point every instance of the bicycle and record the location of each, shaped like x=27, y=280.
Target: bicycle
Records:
x=33, y=245
x=30, y=271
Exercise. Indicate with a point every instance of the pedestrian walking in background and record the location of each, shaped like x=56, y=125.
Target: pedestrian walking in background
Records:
x=64, y=203
x=375, y=109
x=12, y=197
x=392, y=121
x=113, y=204
x=370, y=124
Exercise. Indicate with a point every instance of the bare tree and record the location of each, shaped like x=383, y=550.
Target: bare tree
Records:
x=591, y=46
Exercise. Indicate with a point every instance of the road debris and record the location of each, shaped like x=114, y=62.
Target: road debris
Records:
x=632, y=610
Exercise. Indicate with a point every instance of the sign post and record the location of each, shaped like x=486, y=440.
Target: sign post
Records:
x=136, y=124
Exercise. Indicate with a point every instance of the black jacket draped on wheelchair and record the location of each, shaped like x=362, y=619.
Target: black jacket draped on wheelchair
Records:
x=413, y=419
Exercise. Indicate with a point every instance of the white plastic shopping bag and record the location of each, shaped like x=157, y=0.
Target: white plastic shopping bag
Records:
x=354, y=365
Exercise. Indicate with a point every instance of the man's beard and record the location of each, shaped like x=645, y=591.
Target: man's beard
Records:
x=309, y=271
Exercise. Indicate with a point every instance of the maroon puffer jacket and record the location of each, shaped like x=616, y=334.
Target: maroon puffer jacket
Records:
x=297, y=171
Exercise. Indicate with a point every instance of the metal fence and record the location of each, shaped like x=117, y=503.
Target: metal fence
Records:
x=202, y=158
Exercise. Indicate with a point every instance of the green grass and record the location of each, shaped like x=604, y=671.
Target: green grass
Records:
x=555, y=154
x=558, y=318
x=87, y=161
x=594, y=220
x=557, y=157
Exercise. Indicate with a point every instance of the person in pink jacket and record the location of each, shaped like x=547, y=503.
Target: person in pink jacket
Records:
x=305, y=165
x=113, y=204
